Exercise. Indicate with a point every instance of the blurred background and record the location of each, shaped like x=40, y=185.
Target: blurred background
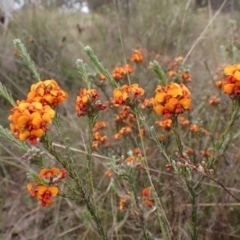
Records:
x=55, y=33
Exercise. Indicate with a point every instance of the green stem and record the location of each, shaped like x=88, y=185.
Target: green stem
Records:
x=194, y=214
x=232, y=117
x=176, y=133
x=91, y=124
x=218, y=145
x=73, y=173
x=162, y=219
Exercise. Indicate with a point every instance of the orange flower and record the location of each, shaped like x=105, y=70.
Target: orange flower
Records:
x=88, y=102
x=194, y=128
x=44, y=194
x=186, y=77
x=137, y=151
x=98, y=139
x=171, y=99
x=31, y=190
x=189, y=150
x=183, y=121
x=147, y=103
x=108, y=173
x=29, y=120
x=146, y=197
x=166, y=123
x=137, y=56
x=232, y=84
x=119, y=73
x=219, y=84
x=206, y=153
x=102, y=77
x=49, y=172
x=214, y=101
x=122, y=132
x=99, y=125
x=127, y=94
x=124, y=202
x=47, y=92
x=119, y=96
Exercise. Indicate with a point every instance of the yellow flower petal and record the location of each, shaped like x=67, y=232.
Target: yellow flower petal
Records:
x=53, y=190
x=38, y=133
x=24, y=135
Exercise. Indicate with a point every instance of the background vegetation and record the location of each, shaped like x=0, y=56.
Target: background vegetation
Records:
x=205, y=36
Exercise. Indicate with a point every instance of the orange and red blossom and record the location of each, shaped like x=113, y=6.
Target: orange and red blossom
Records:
x=53, y=175
x=47, y=92
x=119, y=73
x=232, y=84
x=29, y=120
x=165, y=123
x=137, y=56
x=43, y=193
x=146, y=197
x=172, y=99
x=214, y=101
x=127, y=94
x=88, y=102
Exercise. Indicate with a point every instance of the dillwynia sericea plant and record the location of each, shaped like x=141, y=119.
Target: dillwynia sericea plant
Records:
x=31, y=117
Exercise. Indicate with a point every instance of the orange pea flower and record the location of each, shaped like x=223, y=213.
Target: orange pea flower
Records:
x=47, y=92
x=232, y=84
x=183, y=121
x=102, y=77
x=194, y=128
x=171, y=99
x=127, y=94
x=88, y=102
x=119, y=73
x=166, y=123
x=124, y=202
x=137, y=56
x=206, y=153
x=49, y=172
x=214, y=101
x=108, y=173
x=44, y=194
x=29, y=120
x=146, y=197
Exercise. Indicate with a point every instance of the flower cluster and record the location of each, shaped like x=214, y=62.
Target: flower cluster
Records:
x=147, y=103
x=134, y=157
x=44, y=192
x=124, y=202
x=122, y=132
x=29, y=120
x=183, y=121
x=165, y=123
x=127, y=94
x=88, y=102
x=171, y=99
x=119, y=73
x=30, y=117
x=102, y=77
x=47, y=92
x=125, y=117
x=98, y=138
x=146, y=197
x=137, y=56
x=232, y=84
x=177, y=71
